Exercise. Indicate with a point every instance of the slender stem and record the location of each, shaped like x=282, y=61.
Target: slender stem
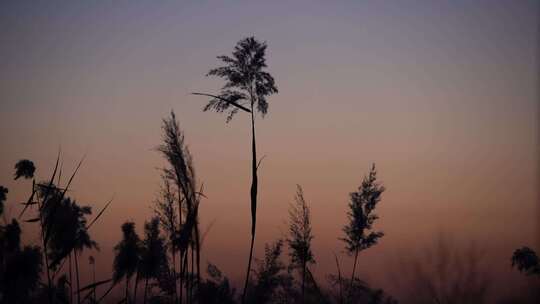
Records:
x=49, y=285
x=303, y=282
x=353, y=271
x=339, y=281
x=127, y=289
x=145, y=289
x=188, y=278
x=136, y=285
x=198, y=255
x=188, y=285
x=253, y=196
x=70, y=281
x=192, y=276
x=94, y=271
x=180, y=253
x=77, y=274
x=174, y=274
x=248, y=269
x=184, y=269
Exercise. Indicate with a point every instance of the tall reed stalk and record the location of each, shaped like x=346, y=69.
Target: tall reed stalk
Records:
x=246, y=82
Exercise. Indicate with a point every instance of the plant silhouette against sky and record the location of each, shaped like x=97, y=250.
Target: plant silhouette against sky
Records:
x=247, y=86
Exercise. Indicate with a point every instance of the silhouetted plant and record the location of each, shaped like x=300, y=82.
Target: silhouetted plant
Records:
x=165, y=281
x=269, y=275
x=41, y=194
x=24, y=168
x=23, y=272
x=63, y=228
x=70, y=270
x=61, y=292
x=92, y=263
x=3, y=195
x=127, y=255
x=153, y=254
x=300, y=237
x=358, y=232
x=216, y=289
x=247, y=86
x=20, y=269
x=182, y=173
x=10, y=237
x=63, y=231
x=83, y=240
x=68, y=231
x=165, y=209
x=526, y=261
x=337, y=280
x=47, y=197
x=358, y=292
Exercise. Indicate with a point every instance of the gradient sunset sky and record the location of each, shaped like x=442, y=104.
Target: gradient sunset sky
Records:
x=441, y=95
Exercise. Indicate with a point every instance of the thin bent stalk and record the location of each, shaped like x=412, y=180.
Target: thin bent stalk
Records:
x=303, y=281
x=50, y=293
x=181, y=276
x=70, y=281
x=191, y=277
x=94, y=275
x=253, y=193
x=145, y=289
x=77, y=274
x=198, y=255
x=339, y=280
x=49, y=283
x=353, y=270
x=186, y=273
x=197, y=238
x=188, y=280
x=136, y=285
x=174, y=274
x=181, y=253
x=127, y=290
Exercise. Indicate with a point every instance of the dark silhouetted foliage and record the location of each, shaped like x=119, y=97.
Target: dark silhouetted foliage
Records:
x=127, y=255
x=526, y=261
x=245, y=79
x=3, y=196
x=216, y=289
x=20, y=269
x=300, y=236
x=10, y=237
x=358, y=232
x=24, y=168
x=269, y=275
x=180, y=173
x=68, y=230
x=153, y=253
x=358, y=292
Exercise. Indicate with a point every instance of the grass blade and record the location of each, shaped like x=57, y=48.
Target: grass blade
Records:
x=100, y=213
